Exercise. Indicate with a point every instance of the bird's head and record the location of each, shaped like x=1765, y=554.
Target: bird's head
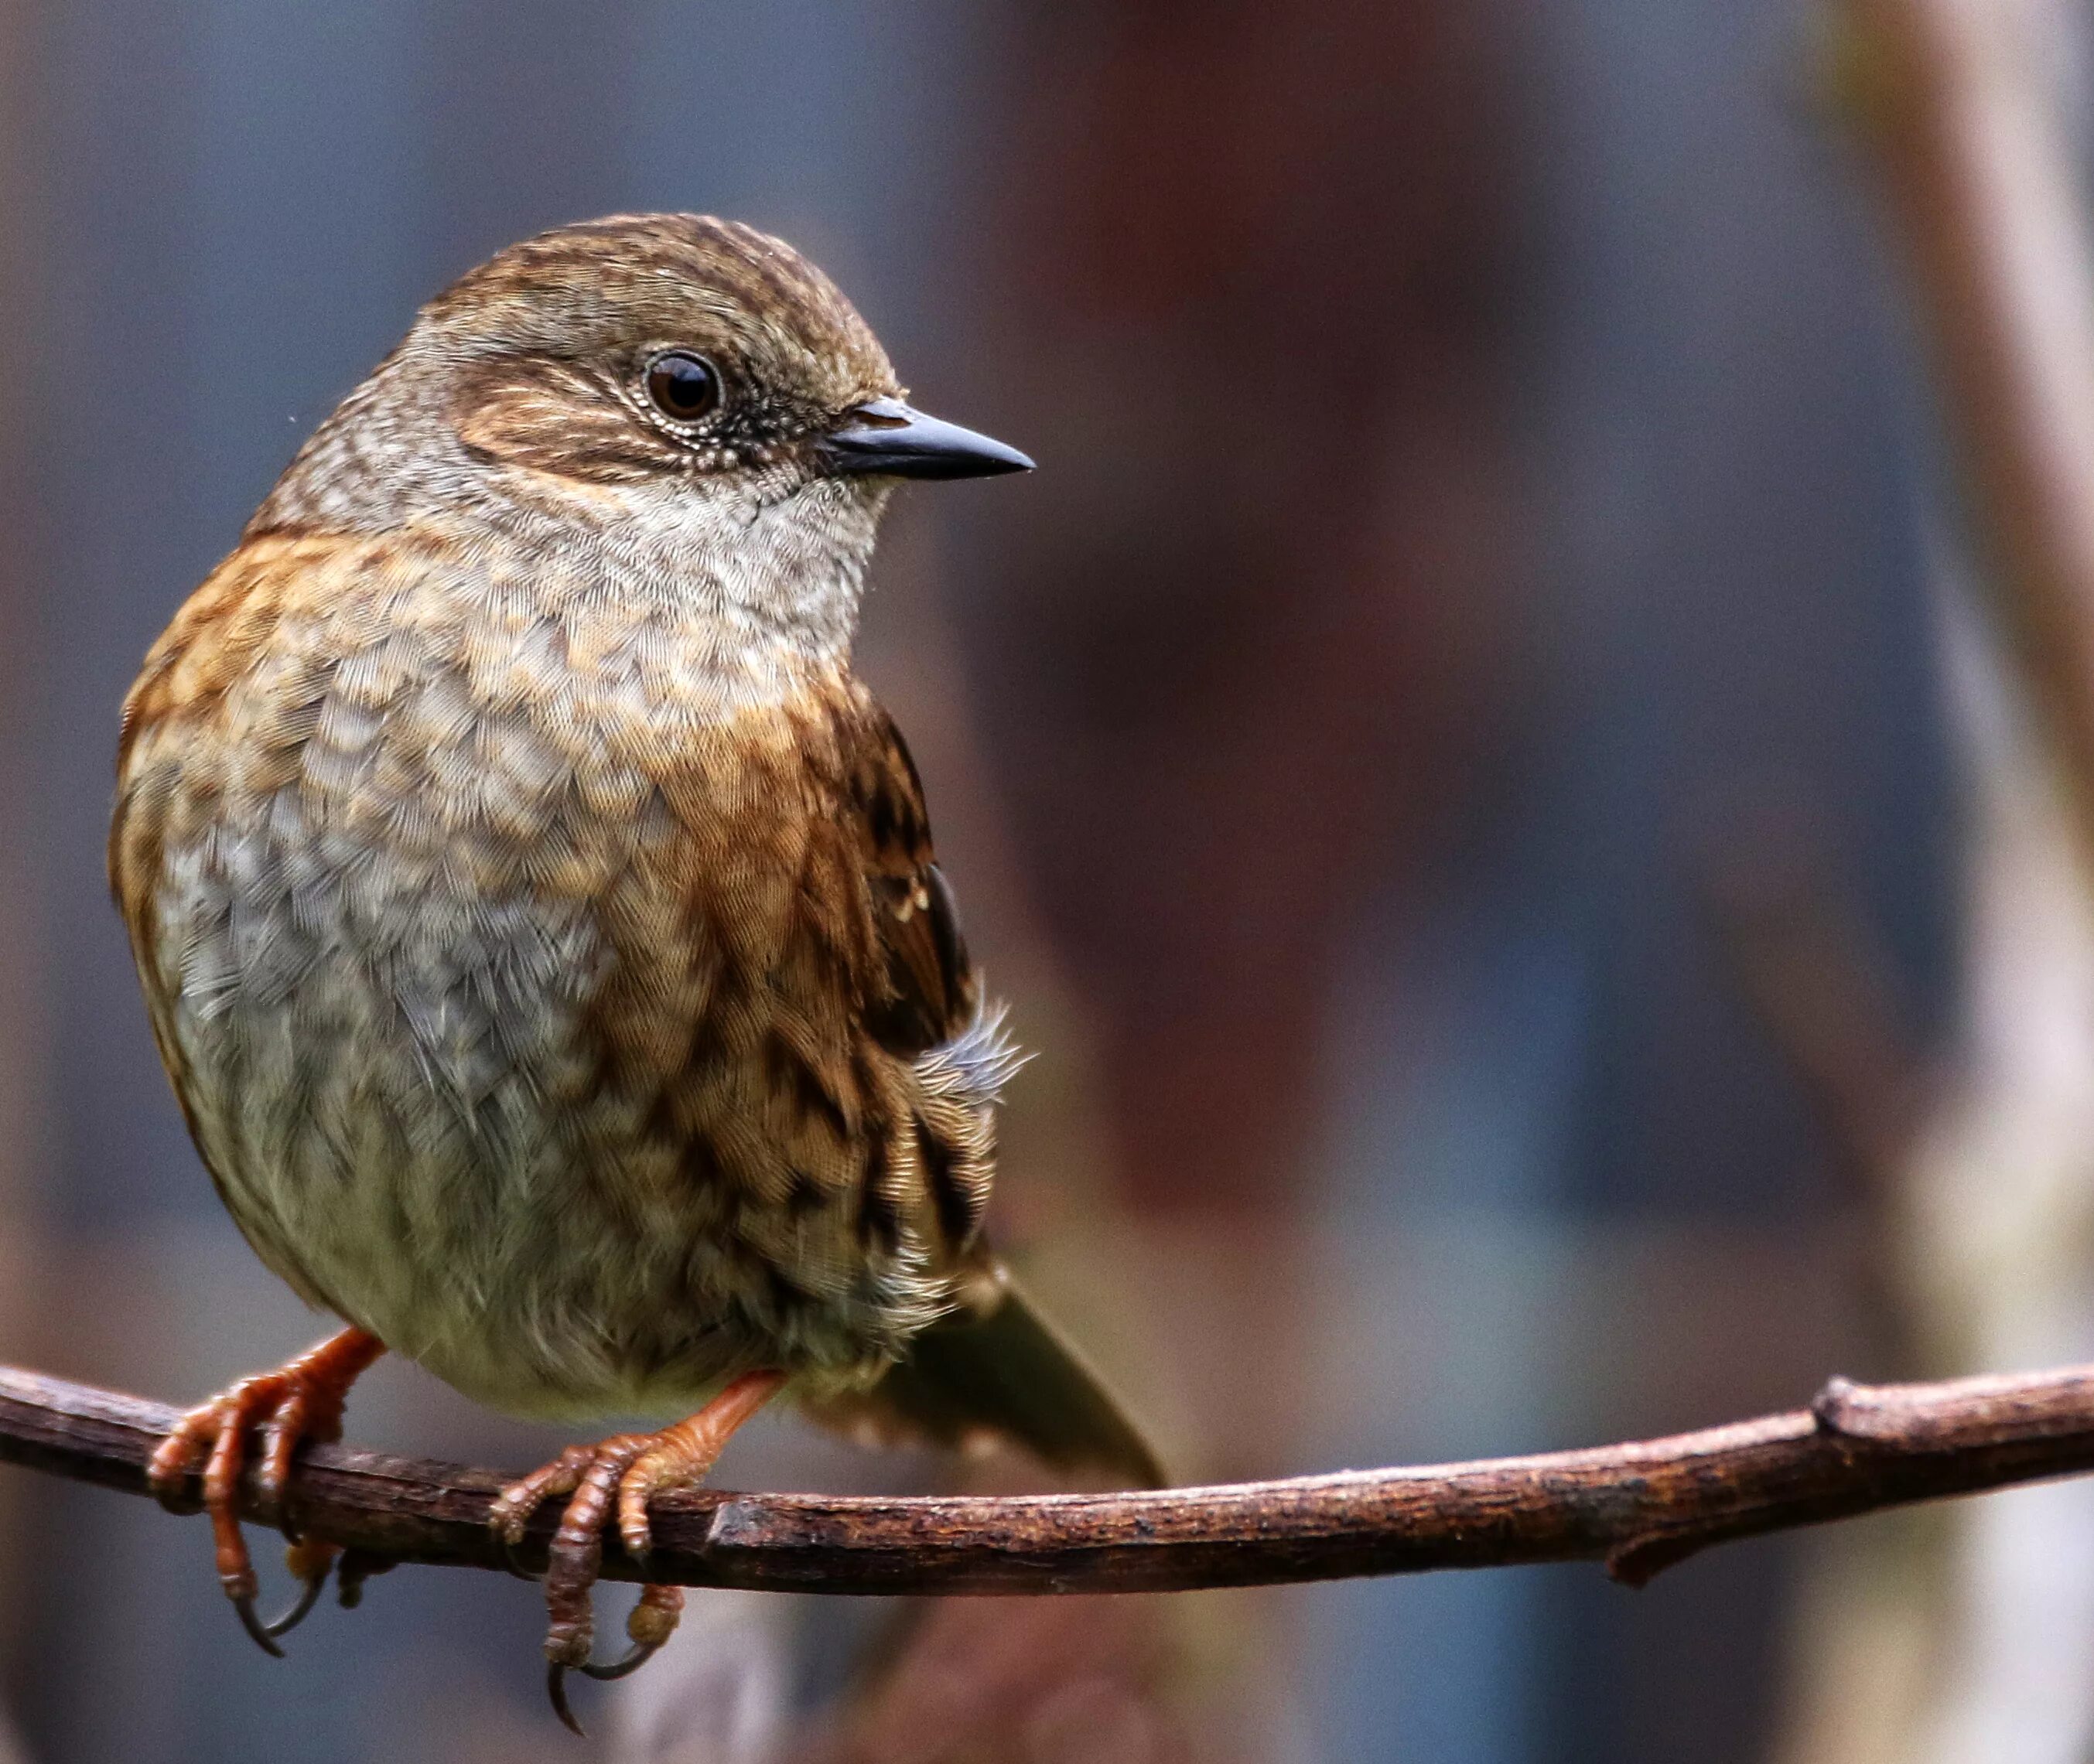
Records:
x=690, y=388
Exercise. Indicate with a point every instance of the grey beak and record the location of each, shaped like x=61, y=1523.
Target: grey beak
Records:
x=886, y=436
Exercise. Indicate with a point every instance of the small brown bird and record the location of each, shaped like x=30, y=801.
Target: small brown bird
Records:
x=539, y=922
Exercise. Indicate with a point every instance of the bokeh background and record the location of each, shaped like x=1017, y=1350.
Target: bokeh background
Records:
x=1469, y=758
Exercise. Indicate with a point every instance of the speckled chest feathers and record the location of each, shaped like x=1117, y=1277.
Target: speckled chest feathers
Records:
x=539, y=922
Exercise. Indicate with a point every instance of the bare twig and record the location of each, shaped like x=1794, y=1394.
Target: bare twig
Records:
x=1638, y=1507
x=1979, y=180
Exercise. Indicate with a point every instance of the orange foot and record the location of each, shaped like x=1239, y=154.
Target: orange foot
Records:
x=631, y=1468
x=299, y=1401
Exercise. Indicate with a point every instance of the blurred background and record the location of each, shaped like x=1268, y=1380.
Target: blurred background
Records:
x=1539, y=911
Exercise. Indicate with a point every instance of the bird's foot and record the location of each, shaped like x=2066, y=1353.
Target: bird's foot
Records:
x=627, y=1472
x=300, y=1401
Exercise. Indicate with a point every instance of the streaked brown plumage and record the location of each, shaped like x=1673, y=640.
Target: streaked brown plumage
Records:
x=539, y=923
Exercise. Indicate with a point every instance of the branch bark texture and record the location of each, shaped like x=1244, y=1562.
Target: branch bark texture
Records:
x=1639, y=1507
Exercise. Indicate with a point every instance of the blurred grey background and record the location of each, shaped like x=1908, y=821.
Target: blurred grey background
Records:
x=1476, y=538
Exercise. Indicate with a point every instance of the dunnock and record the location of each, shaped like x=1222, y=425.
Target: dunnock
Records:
x=539, y=922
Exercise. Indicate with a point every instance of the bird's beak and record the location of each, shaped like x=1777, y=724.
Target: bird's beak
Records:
x=887, y=437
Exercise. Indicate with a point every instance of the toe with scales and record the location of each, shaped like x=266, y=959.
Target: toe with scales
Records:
x=299, y=1401
x=623, y=1473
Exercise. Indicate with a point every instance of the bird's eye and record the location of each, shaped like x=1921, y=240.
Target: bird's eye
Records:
x=682, y=386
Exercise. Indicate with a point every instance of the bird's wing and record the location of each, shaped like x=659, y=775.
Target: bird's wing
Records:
x=931, y=994
x=995, y=1368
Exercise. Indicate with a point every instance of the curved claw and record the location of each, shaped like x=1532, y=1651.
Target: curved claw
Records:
x=556, y=1687
x=250, y=1620
x=556, y=1679
x=636, y=1656
x=316, y=1584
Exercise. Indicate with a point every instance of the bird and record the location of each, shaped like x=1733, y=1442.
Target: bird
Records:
x=539, y=920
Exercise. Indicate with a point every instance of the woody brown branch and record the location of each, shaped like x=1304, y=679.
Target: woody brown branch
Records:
x=1639, y=1507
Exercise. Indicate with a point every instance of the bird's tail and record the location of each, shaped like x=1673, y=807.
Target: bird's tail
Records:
x=998, y=1369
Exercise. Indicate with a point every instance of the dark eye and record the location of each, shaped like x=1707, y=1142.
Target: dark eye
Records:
x=683, y=387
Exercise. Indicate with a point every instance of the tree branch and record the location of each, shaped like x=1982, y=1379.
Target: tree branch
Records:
x=1639, y=1507
x=1977, y=175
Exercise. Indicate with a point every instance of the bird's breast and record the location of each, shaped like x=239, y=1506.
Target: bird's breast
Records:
x=497, y=947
